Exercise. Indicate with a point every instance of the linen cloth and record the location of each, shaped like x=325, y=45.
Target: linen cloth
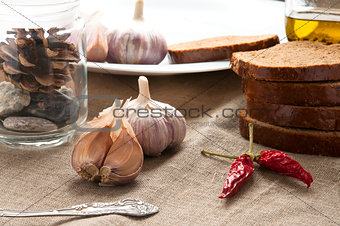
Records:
x=182, y=182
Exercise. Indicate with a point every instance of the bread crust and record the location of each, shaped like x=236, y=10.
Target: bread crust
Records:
x=249, y=64
x=322, y=118
x=300, y=94
x=288, y=139
x=204, y=50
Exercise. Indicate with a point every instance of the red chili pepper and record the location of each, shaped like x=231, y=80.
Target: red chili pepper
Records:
x=241, y=169
x=281, y=163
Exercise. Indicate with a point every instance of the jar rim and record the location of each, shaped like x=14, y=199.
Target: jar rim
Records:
x=37, y=2
x=30, y=14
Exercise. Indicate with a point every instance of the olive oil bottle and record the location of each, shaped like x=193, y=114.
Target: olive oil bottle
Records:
x=326, y=31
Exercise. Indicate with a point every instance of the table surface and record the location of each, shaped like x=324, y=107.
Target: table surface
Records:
x=183, y=183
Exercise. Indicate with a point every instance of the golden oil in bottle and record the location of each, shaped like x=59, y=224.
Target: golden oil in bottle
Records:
x=325, y=31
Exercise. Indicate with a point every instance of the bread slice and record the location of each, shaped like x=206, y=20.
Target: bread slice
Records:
x=288, y=139
x=292, y=61
x=218, y=48
x=303, y=94
x=322, y=118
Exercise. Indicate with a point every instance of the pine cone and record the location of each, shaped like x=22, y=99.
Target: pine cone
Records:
x=36, y=63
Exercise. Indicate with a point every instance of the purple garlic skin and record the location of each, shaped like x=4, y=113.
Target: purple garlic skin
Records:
x=155, y=134
x=160, y=128
x=136, y=45
x=177, y=126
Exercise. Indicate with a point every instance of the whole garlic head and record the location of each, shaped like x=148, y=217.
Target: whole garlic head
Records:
x=97, y=47
x=157, y=125
x=137, y=43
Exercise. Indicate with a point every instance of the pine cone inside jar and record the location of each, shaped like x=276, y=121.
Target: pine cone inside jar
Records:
x=38, y=61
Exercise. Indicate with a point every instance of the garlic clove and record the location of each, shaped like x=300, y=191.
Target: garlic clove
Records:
x=124, y=160
x=90, y=151
x=112, y=157
x=97, y=46
x=89, y=154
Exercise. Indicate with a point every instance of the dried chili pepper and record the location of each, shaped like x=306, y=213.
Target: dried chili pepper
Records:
x=242, y=168
x=240, y=171
x=281, y=163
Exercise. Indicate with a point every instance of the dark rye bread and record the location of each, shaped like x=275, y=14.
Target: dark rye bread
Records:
x=218, y=48
x=292, y=61
x=288, y=139
x=303, y=94
x=322, y=118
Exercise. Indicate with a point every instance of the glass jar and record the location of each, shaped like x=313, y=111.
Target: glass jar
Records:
x=42, y=72
x=314, y=20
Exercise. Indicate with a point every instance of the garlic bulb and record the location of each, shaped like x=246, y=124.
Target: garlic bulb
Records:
x=112, y=158
x=157, y=125
x=97, y=47
x=137, y=43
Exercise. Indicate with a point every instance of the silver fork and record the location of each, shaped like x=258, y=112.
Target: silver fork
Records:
x=128, y=207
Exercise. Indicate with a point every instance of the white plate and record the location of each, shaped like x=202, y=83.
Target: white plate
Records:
x=157, y=70
x=182, y=21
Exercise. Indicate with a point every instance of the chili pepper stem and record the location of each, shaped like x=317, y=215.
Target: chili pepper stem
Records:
x=251, y=141
x=220, y=155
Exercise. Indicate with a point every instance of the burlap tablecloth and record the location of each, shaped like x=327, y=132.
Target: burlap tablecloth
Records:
x=183, y=183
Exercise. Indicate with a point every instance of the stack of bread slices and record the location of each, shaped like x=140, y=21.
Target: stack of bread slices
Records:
x=293, y=96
